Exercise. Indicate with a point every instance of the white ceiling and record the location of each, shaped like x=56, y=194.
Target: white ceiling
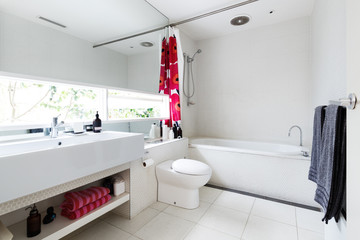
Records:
x=219, y=24
x=93, y=20
x=98, y=21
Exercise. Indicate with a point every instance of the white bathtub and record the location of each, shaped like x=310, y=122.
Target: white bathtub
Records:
x=274, y=170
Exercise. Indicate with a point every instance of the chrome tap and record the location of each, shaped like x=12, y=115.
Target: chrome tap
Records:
x=55, y=127
x=296, y=126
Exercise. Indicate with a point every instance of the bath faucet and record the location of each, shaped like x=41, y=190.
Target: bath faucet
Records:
x=55, y=127
x=296, y=126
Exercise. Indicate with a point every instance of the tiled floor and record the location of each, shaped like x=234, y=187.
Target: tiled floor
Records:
x=222, y=215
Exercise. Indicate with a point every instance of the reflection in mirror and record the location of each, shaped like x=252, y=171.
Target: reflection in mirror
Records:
x=34, y=47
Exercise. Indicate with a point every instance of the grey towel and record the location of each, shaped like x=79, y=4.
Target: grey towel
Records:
x=316, y=143
x=338, y=183
x=324, y=173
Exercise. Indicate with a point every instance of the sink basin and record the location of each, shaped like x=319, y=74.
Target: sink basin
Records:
x=28, y=166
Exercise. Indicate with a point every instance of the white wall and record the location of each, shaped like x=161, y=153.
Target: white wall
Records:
x=353, y=119
x=328, y=26
x=33, y=49
x=144, y=71
x=255, y=84
x=188, y=113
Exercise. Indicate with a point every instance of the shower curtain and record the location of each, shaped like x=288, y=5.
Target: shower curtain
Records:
x=169, y=74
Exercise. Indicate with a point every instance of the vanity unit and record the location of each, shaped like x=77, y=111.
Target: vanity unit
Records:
x=41, y=168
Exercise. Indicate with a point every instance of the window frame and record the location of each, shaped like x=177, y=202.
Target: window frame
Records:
x=45, y=80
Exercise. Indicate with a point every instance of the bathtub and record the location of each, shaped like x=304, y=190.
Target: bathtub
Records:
x=268, y=169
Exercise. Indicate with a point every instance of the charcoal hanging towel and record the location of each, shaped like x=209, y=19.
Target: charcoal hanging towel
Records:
x=319, y=117
x=338, y=182
x=325, y=164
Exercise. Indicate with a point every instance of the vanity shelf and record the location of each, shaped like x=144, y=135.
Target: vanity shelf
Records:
x=63, y=226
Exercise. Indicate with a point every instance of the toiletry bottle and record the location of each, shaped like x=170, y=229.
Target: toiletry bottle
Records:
x=175, y=131
x=179, y=132
x=161, y=133
x=165, y=132
x=33, y=222
x=157, y=131
x=97, y=123
x=152, y=131
x=171, y=134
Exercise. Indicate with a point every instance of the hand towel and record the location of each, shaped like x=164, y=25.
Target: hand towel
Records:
x=79, y=199
x=319, y=117
x=85, y=209
x=338, y=182
x=325, y=164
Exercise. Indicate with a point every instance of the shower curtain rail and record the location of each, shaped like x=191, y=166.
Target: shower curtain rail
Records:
x=349, y=102
x=179, y=22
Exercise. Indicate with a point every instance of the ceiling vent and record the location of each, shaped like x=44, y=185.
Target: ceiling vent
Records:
x=147, y=44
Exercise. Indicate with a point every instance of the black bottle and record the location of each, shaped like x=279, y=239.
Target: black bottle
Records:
x=50, y=216
x=33, y=226
x=179, y=132
x=175, y=131
x=97, y=123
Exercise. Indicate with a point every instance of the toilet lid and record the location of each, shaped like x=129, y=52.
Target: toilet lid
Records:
x=192, y=167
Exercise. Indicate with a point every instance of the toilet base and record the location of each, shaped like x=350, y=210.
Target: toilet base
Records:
x=185, y=198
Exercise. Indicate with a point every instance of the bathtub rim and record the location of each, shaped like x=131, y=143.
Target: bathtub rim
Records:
x=247, y=151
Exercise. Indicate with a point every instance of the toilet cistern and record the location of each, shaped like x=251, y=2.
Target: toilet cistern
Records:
x=296, y=126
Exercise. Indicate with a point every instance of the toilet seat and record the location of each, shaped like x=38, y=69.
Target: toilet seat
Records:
x=191, y=167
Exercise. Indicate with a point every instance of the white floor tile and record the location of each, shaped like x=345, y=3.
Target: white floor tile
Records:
x=193, y=215
x=225, y=220
x=259, y=228
x=309, y=235
x=275, y=211
x=133, y=225
x=102, y=230
x=159, y=206
x=310, y=220
x=204, y=233
x=208, y=194
x=165, y=227
x=235, y=201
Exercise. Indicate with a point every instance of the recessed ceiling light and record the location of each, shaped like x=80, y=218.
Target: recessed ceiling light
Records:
x=52, y=22
x=147, y=44
x=240, y=20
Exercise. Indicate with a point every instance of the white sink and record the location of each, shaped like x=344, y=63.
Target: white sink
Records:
x=33, y=165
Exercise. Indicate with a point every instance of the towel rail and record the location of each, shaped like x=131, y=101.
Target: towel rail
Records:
x=349, y=102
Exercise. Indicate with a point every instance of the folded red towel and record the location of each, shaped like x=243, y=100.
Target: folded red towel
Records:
x=76, y=200
x=84, y=210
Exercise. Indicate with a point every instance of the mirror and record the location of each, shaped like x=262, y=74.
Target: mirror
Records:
x=55, y=38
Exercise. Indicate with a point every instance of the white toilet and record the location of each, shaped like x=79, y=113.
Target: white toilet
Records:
x=179, y=182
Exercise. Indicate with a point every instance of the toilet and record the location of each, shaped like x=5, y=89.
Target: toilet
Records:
x=179, y=182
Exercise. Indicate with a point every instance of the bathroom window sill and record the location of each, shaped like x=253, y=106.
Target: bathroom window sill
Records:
x=63, y=226
x=151, y=143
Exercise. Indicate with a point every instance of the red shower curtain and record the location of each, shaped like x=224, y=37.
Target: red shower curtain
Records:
x=169, y=77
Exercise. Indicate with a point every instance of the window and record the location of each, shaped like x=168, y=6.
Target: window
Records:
x=28, y=102
x=133, y=105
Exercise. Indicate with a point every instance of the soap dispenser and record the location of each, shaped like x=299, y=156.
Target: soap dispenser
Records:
x=33, y=222
x=97, y=123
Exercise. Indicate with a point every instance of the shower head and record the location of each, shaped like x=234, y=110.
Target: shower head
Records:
x=190, y=59
x=198, y=51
